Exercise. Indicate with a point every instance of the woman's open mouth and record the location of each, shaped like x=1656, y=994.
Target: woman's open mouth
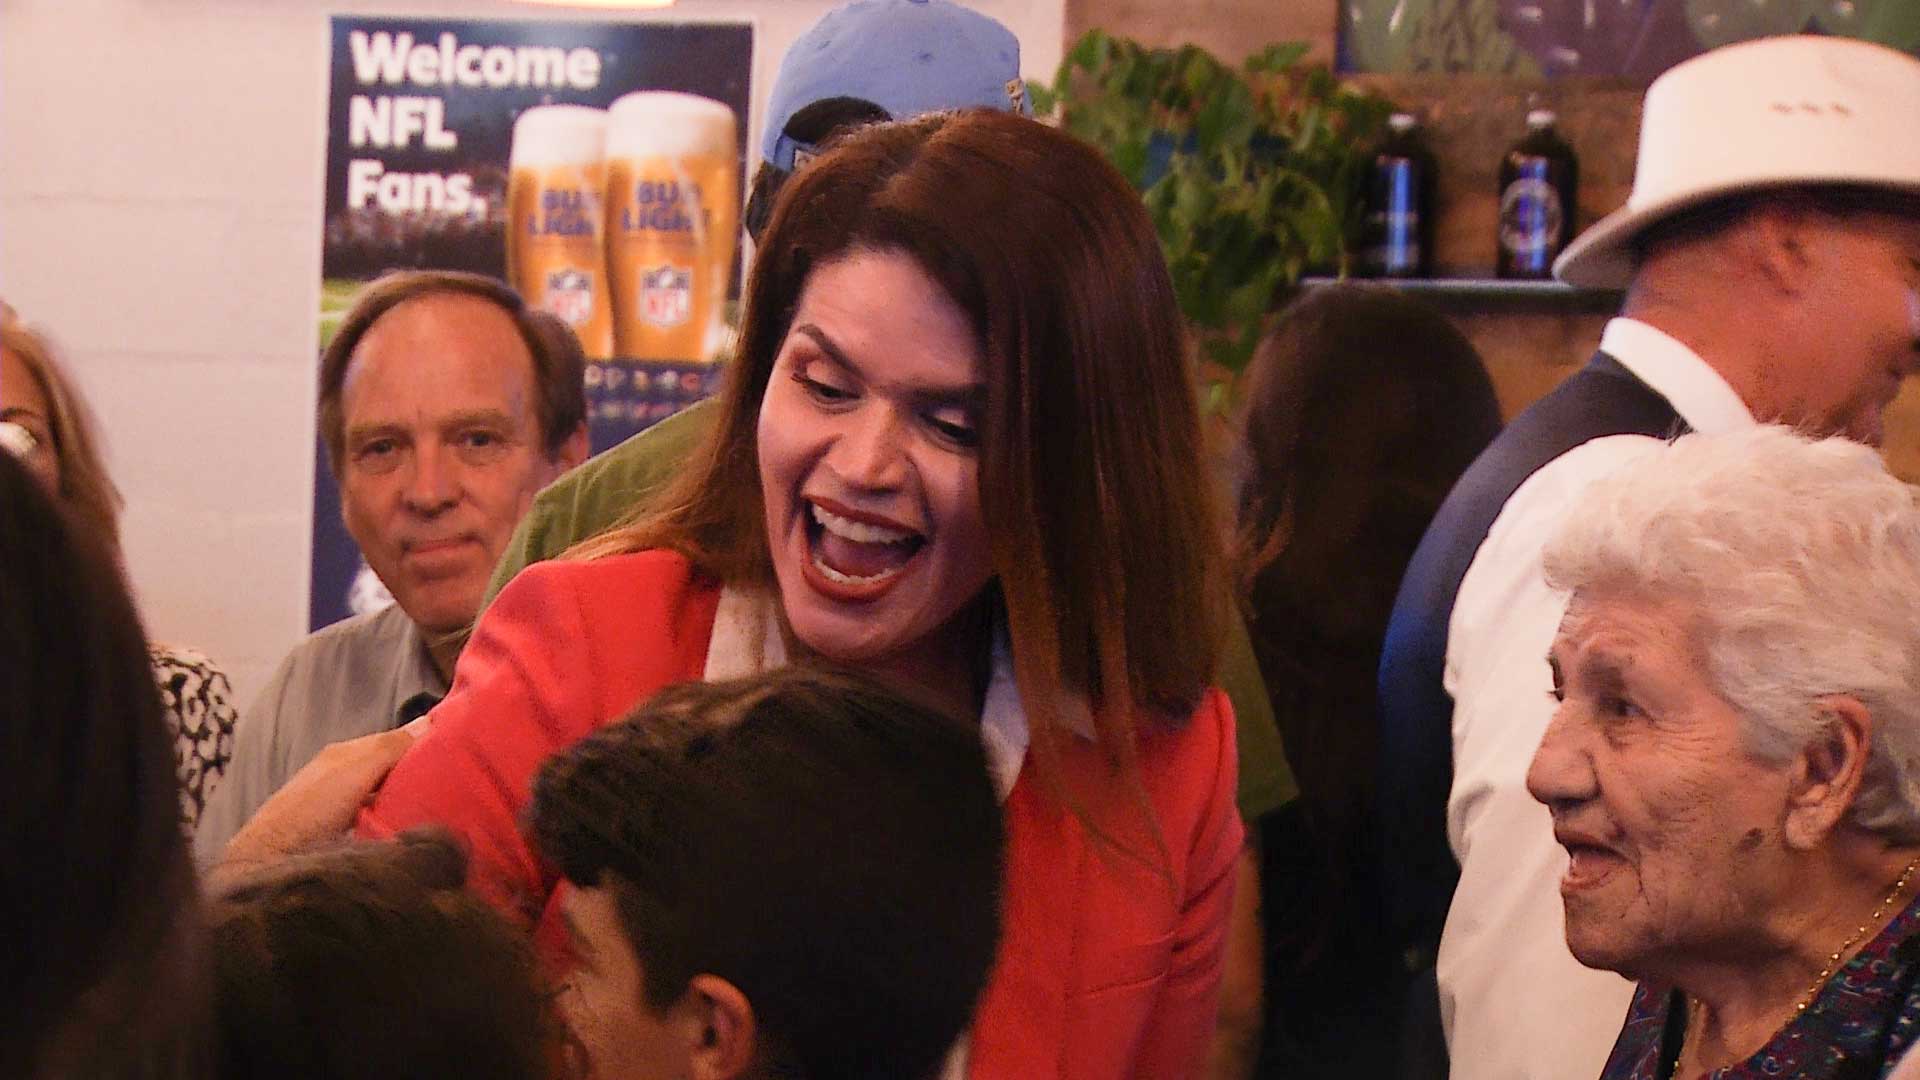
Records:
x=852, y=559
x=1588, y=865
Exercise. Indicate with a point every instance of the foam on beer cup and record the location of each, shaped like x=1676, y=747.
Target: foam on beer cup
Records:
x=650, y=122
x=556, y=210
x=559, y=135
x=673, y=219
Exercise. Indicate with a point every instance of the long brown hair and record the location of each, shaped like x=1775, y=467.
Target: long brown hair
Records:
x=84, y=484
x=1362, y=409
x=1103, y=525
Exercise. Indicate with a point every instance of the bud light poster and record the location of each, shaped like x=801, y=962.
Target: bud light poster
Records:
x=595, y=167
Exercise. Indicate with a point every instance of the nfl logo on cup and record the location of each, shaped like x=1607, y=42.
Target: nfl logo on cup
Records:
x=666, y=296
x=570, y=296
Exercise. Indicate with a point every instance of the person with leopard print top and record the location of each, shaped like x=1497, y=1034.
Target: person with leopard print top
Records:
x=47, y=427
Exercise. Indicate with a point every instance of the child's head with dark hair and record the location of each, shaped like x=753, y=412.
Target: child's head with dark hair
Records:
x=372, y=961
x=790, y=875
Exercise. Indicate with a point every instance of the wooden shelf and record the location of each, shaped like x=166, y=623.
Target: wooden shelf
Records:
x=1472, y=295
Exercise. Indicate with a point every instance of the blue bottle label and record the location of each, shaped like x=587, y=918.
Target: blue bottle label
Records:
x=1394, y=222
x=1530, y=218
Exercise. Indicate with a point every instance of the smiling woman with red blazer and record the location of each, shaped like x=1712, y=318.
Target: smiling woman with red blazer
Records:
x=959, y=446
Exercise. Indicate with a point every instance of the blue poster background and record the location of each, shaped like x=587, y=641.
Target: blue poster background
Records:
x=713, y=60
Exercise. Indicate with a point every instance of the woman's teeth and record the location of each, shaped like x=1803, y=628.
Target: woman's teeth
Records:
x=849, y=552
x=833, y=575
x=858, y=531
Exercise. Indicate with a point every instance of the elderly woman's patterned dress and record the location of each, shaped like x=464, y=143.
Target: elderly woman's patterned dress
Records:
x=200, y=717
x=1864, y=1019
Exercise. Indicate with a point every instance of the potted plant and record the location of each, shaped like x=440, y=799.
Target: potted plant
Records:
x=1252, y=176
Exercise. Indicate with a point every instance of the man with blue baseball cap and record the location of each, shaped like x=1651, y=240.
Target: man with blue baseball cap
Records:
x=876, y=60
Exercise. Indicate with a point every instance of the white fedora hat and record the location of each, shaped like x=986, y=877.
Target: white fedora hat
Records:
x=1777, y=112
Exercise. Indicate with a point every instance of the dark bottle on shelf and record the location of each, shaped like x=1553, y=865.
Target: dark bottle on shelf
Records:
x=1538, y=185
x=1397, y=239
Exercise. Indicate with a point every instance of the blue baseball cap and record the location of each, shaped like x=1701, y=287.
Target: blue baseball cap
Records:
x=905, y=57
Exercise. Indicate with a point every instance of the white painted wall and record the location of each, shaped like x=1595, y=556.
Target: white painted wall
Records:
x=160, y=196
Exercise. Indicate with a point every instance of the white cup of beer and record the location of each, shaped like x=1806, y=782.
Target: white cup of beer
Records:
x=556, y=213
x=673, y=220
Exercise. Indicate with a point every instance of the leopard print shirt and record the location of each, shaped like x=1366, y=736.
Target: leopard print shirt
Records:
x=200, y=717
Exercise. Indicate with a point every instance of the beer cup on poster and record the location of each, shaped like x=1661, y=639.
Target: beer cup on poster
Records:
x=673, y=218
x=556, y=254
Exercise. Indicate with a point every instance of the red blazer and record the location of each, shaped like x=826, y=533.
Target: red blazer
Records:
x=1109, y=962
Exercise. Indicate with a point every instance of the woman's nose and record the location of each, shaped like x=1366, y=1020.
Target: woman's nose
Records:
x=1561, y=771
x=871, y=449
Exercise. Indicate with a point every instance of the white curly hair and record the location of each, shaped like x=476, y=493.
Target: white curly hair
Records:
x=1802, y=558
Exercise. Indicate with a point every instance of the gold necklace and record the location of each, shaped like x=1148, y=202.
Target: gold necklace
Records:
x=1873, y=920
x=1820, y=980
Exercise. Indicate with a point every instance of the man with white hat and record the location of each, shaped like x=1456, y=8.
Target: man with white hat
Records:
x=1770, y=252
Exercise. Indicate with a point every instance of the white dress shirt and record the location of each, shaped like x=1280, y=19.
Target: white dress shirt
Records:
x=1515, y=1003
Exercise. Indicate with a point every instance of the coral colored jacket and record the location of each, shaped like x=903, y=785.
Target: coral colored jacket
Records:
x=1109, y=963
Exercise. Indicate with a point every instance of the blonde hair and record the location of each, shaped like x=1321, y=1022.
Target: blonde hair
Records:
x=85, y=487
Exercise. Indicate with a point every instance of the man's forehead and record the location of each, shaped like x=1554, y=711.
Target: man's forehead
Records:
x=465, y=344
x=442, y=314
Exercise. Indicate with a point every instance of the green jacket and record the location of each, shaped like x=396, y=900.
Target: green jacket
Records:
x=600, y=492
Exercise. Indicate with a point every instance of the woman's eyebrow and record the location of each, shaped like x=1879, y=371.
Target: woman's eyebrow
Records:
x=970, y=395
x=827, y=345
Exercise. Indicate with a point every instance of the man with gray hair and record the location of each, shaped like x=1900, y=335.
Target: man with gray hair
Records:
x=1771, y=255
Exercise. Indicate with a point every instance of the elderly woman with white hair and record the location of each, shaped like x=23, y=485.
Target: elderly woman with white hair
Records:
x=1734, y=767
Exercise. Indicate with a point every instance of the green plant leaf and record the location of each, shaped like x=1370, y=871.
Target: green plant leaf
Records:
x=1093, y=52
x=1130, y=157
x=1263, y=173
x=1045, y=101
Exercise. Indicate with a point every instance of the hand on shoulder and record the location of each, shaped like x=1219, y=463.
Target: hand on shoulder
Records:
x=318, y=804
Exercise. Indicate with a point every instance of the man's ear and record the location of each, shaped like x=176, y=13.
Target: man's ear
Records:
x=1828, y=771
x=1780, y=245
x=727, y=1043
x=572, y=452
